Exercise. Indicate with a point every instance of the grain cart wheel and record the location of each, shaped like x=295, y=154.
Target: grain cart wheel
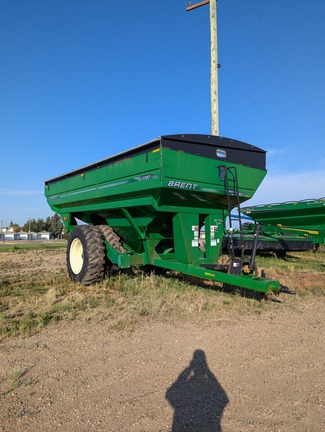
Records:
x=85, y=255
x=111, y=237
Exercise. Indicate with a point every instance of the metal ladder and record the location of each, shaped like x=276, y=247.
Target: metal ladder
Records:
x=231, y=189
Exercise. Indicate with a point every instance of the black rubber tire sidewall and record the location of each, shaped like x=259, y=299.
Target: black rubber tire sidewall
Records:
x=92, y=269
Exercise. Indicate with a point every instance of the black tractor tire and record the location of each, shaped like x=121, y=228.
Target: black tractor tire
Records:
x=111, y=237
x=113, y=240
x=85, y=255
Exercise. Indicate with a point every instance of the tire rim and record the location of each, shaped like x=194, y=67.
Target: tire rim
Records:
x=76, y=256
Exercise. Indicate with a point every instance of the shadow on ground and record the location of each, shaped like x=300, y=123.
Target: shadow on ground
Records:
x=197, y=398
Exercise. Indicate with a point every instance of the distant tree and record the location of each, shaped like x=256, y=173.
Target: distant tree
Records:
x=40, y=225
x=29, y=226
x=14, y=226
x=56, y=226
x=48, y=223
x=25, y=227
x=52, y=225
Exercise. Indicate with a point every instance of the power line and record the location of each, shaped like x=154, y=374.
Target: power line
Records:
x=191, y=42
x=278, y=74
x=262, y=90
x=287, y=66
x=248, y=96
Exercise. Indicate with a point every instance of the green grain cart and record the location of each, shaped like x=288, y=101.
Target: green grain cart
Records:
x=272, y=239
x=304, y=218
x=150, y=205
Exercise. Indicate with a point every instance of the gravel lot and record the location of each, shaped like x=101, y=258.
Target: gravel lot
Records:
x=230, y=373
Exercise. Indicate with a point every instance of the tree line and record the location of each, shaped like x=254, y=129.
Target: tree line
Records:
x=51, y=224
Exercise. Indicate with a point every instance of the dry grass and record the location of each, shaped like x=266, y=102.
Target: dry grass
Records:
x=301, y=271
x=35, y=291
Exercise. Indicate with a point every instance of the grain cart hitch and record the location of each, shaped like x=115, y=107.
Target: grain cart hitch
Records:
x=285, y=290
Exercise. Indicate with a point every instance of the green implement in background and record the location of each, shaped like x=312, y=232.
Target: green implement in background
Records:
x=305, y=218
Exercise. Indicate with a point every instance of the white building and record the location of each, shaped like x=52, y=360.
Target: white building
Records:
x=44, y=235
x=11, y=235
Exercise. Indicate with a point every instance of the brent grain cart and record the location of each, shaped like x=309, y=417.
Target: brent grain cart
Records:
x=148, y=206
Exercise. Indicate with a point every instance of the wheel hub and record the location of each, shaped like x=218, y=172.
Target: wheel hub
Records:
x=76, y=256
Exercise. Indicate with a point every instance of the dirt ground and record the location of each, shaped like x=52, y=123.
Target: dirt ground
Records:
x=229, y=373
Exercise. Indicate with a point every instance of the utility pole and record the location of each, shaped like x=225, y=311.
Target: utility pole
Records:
x=214, y=62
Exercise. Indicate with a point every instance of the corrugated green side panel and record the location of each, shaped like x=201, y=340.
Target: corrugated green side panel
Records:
x=127, y=178
x=169, y=177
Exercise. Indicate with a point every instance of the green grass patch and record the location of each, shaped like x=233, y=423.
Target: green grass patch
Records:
x=312, y=262
x=32, y=245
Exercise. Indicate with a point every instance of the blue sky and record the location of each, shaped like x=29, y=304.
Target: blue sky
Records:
x=81, y=80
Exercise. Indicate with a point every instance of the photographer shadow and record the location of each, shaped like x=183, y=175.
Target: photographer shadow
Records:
x=197, y=398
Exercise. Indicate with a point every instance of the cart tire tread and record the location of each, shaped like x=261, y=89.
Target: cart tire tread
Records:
x=85, y=255
x=111, y=237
